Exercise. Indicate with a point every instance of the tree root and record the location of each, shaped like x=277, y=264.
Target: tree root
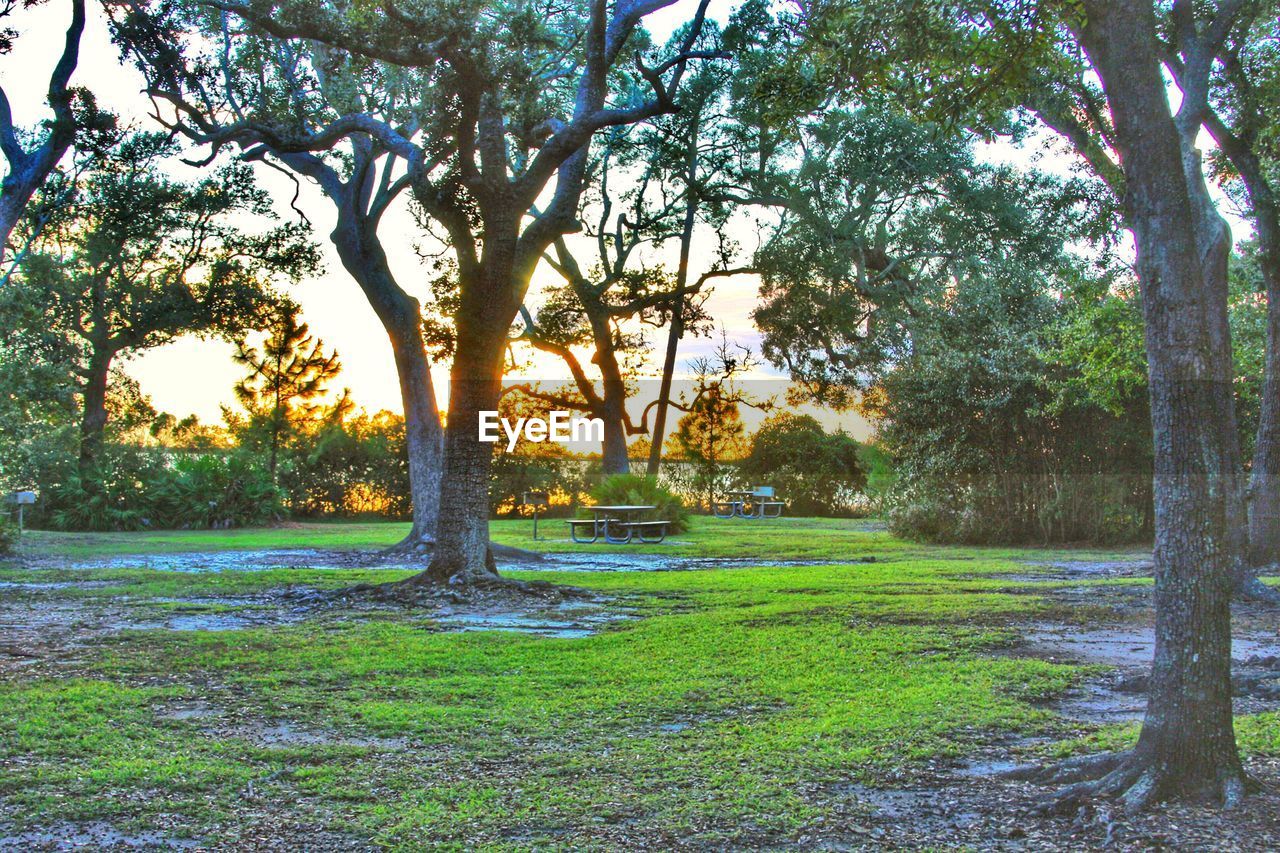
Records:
x=1256, y=591
x=1066, y=772
x=460, y=589
x=1136, y=780
x=419, y=546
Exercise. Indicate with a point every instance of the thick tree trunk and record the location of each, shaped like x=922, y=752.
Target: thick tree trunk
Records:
x=614, y=459
x=462, y=552
x=613, y=410
x=93, y=419
x=1187, y=745
x=401, y=316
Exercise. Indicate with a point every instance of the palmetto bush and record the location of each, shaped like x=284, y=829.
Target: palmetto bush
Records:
x=135, y=488
x=633, y=490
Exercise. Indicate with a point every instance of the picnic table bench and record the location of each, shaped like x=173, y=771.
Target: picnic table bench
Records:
x=619, y=525
x=748, y=503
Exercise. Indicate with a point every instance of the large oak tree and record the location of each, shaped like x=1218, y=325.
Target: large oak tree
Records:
x=508, y=97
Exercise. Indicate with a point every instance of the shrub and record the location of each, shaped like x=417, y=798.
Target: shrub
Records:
x=136, y=488
x=214, y=490
x=634, y=489
x=815, y=472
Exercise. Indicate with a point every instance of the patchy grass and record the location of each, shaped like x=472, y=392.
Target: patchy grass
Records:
x=729, y=713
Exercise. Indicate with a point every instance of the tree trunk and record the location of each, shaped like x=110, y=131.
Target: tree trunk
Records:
x=1187, y=745
x=614, y=459
x=93, y=420
x=28, y=171
x=677, y=310
x=613, y=410
x=423, y=435
x=1264, y=479
x=401, y=317
x=664, y=390
x=462, y=552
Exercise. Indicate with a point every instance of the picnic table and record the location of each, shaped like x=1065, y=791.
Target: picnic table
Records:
x=748, y=503
x=619, y=524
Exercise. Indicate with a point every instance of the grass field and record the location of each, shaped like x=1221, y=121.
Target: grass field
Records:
x=751, y=705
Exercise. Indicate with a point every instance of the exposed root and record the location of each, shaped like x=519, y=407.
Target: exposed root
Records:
x=415, y=544
x=422, y=589
x=1255, y=590
x=422, y=546
x=1075, y=769
x=1134, y=779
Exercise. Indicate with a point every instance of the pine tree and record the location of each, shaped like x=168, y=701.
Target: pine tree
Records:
x=284, y=380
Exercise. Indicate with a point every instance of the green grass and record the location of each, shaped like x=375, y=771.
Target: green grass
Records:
x=784, y=538
x=733, y=708
x=337, y=535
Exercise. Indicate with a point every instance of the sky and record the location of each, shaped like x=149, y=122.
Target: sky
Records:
x=196, y=376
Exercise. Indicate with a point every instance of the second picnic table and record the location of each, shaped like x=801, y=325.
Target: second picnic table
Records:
x=759, y=499
x=619, y=524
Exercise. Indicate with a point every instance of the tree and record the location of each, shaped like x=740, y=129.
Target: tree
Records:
x=510, y=97
x=989, y=59
x=31, y=160
x=596, y=301
x=1187, y=745
x=1241, y=115
x=139, y=259
x=290, y=372
x=818, y=473
x=270, y=92
x=711, y=431
x=879, y=218
x=999, y=426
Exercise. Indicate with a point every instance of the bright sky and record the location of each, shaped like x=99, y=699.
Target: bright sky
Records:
x=193, y=375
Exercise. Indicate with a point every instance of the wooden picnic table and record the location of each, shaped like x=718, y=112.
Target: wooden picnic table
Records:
x=624, y=516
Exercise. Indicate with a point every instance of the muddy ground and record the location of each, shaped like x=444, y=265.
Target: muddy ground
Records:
x=943, y=804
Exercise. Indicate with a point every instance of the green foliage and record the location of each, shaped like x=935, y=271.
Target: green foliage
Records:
x=211, y=490
x=880, y=474
x=991, y=440
x=635, y=490
x=134, y=488
x=709, y=435
x=816, y=473
x=8, y=534
x=884, y=215
x=348, y=465
x=284, y=379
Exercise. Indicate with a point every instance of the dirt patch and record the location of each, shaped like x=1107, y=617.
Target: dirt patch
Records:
x=566, y=620
x=1124, y=645
x=1059, y=570
x=97, y=835
x=300, y=558
x=1127, y=649
x=965, y=808
x=47, y=627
